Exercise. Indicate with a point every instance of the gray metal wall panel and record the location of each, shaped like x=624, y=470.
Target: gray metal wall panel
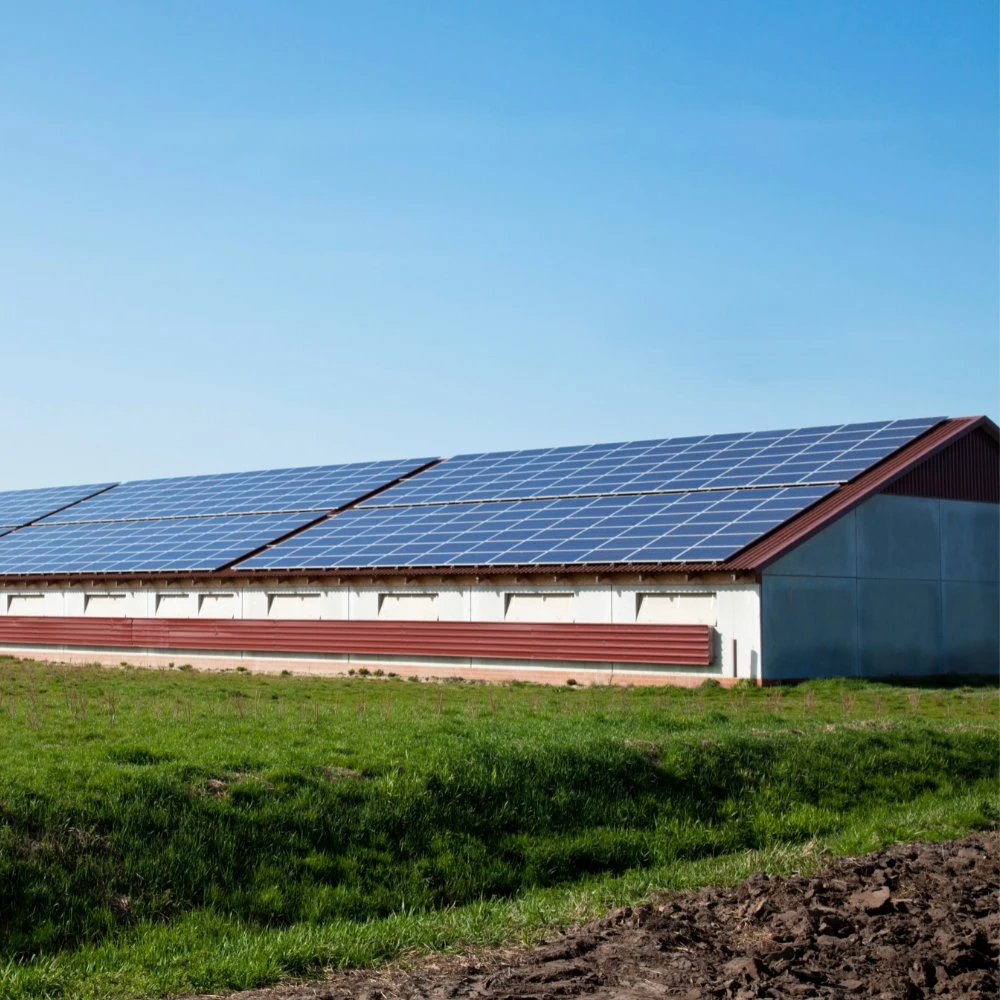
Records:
x=899, y=538
x=971, y=627
x=809, y=627
x=831, y=552
x=970, y=541
x=899, y=628
x=924, y=598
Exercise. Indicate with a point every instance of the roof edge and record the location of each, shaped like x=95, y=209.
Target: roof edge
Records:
x=237, y=577
x=760, y=554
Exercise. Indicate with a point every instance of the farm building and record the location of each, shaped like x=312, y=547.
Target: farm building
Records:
x=852, y=550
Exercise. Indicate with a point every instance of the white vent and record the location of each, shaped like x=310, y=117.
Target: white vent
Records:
x=224, y=605
x=554, y=607
x=104, y=605
x=292, y=604
x=173, y=604
x=676, y=609
x=25, y=604
x=416, y=607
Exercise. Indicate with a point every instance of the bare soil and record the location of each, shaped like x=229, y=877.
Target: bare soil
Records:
x=917, y=920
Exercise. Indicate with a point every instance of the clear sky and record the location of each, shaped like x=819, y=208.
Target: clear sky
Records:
x=242, y=235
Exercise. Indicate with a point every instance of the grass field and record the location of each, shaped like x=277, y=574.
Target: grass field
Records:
x=172, y=831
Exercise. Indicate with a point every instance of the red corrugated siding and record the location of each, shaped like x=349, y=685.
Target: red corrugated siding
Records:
x=66, y=631
x=661, y=644
x=969, y=469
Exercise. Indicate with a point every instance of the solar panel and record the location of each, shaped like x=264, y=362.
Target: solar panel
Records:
x=691, y=526
x=19, y=507
x=807, y=456
x=317, y=488
x=189, y=543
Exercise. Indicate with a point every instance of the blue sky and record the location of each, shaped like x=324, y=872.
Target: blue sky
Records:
x=243, y=234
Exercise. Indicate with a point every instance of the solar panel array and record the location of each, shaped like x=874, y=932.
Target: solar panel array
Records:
x=637, y=528
x=806, y=457
x=273, y=491
x=677, y=500
x=20, y=507
x=156, y=545
x=187, y=523
x=696, y=499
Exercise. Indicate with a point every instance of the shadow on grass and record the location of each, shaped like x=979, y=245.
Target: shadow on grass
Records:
x=943, y=681
x=926, y=682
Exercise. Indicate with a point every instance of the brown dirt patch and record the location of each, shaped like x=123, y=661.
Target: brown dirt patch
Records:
x=915, y=921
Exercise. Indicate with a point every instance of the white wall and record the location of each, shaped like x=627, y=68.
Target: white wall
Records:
x=732, y=610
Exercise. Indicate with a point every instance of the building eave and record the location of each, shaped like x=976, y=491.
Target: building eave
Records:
x=571, y=575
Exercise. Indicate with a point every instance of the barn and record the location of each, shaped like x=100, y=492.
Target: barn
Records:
x=867, y=549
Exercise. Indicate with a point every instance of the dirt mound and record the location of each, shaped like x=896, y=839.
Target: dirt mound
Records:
x=917, y=920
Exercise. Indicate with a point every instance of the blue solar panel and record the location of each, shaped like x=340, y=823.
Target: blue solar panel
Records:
x=190, y=543
x=19, y=507
x=691, y=526
x=316, y=488
x=807, y=456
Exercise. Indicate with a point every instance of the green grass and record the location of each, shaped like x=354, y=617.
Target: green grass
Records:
x=171, y=831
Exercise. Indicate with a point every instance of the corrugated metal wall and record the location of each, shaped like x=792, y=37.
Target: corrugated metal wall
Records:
x=968, y=469
x=687, y=645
